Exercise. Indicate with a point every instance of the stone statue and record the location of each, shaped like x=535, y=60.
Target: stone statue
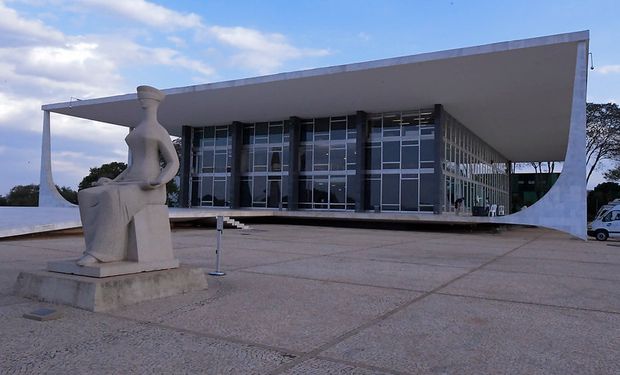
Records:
x=108, y=208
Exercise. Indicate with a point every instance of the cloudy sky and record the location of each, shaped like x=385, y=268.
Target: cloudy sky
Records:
x=53, y=50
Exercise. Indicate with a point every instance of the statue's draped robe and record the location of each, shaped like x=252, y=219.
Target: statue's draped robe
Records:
x=107, y=210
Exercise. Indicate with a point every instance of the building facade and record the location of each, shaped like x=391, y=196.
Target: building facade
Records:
x=417, y=161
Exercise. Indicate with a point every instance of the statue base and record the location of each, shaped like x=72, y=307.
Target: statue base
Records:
x=108, y=293
x=110, y=269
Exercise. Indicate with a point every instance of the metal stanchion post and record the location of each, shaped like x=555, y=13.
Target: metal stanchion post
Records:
x=218, y=248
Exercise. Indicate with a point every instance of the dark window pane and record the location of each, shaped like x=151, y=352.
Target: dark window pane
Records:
x=208, y=138
x=373, y=157
x=195, y=193
x=390, y=191
x=273, y=200
x=284, y=190
x=337, y=190
x=410, y=131
x=260, y=159
x=337, y=160
x=320, y=192
x=321, y=156
x=375, y=128
x=339, y=130
x=246, y=160
x=306, y=132
x=373, y=194
x=207, y=161
x=197, y=137
x=220, y=162
x=260, y=187
x=275, y=134
x=305, y=191
x=261, y=132
x=427, y=189
x=410, y=157
x=351, y=189
x=221, y=137
x=219, y=193
x=321, y=129
x=427, y=149
x=391, y=152
x=351, y=155
x=248, y=134
x=409, y=195
x=275, y=161
x=285, y=158
x=305, y=158
x=391, y=126
x=246, y=193
x=207, y=190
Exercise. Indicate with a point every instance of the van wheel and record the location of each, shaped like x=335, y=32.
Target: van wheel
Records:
x=601, y=235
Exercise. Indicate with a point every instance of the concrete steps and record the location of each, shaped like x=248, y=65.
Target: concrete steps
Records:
x=236, y=224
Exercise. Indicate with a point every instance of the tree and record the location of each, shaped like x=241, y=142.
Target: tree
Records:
x=601, y=195
x=602, y=132
x=68, y=193
x=113, y=169
x=23, y=195
x=3, y=201
x=109, y=170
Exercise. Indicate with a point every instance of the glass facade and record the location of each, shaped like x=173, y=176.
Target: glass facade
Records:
x=471, y=169
x=327, y=159
x=400, y=161
x=264, y=165
x=211, y=161
x=409, y=163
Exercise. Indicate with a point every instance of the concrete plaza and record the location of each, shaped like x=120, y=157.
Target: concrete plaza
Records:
x=325, y=300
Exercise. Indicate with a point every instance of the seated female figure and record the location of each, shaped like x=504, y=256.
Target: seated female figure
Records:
x=107, y=208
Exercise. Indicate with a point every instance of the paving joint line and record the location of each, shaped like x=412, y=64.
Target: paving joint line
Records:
x=314, y=353
x=233, y=340
x=360, y=365
x=529, y=303
x=551, y=275
x=335, y=281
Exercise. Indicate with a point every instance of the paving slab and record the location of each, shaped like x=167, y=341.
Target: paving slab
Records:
x=557, y=267
x=232, y=258
x=88, y=343
x=273, y=310
x=454, y=335
x=552, y=290
x=419, y=277
x=327, y=367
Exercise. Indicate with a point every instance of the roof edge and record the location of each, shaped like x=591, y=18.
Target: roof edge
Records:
x=571, y=37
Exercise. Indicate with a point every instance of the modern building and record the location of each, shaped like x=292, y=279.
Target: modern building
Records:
x=406, y=135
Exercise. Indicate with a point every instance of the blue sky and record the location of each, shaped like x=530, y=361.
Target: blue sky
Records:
x=52, y=50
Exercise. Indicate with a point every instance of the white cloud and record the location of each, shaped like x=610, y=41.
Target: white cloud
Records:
x=149, y=13
x=261, y=51
x=16, y=30
x=608, y=69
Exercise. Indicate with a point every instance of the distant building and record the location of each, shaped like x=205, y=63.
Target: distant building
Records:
x=527, y=188
x=408, y=135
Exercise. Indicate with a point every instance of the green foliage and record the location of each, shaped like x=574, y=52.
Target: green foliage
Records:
x=602, y=134
x=23, y=195
x=3, y=201
x=68, y=193
x=109, y=170
x=601, y=195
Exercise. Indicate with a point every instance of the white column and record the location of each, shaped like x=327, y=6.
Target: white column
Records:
x=48, y=194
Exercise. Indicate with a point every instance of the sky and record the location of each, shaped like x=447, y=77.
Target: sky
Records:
x=60, y=50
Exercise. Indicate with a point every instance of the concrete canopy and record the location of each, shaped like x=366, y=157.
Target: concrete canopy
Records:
x=516, y=96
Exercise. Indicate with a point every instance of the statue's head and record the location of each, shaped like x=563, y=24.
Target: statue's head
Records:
x=148, y=94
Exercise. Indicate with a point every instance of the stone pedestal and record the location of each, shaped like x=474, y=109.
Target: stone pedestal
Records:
x=107, y=293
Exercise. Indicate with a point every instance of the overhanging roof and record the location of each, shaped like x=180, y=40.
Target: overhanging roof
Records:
x=515, y=95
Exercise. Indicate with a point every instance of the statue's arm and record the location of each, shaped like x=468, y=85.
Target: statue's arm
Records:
x=169, y=154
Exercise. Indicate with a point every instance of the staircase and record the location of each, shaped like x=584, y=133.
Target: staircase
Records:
x=236, y=224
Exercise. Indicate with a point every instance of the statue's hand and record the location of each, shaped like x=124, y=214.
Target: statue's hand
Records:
x=102, y=181
x=152, y=184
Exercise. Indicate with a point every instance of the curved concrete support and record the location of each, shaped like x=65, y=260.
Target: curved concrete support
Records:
x=48, y=194
x=564, y=206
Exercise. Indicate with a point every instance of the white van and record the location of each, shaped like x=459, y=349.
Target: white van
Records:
x=606, y=223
